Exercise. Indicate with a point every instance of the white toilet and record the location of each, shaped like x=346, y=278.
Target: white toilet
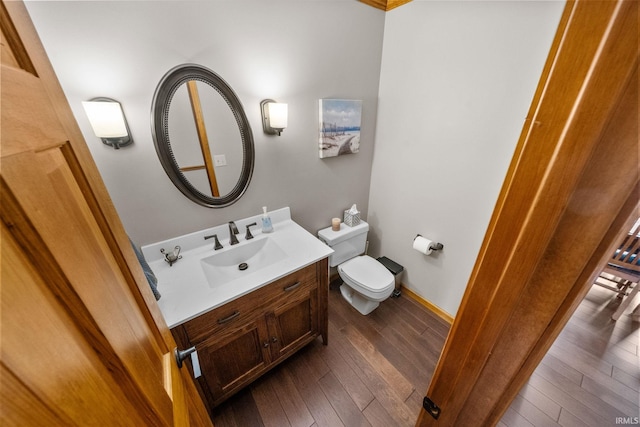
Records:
x=366, y=281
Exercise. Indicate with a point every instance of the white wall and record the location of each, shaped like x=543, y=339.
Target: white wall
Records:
x=292, y=51
x=449, y=85
x=456, y=82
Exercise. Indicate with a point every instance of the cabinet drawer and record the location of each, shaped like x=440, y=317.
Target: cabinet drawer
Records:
x=246, y=308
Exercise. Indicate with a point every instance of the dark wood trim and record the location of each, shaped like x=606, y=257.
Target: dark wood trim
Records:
x=555, y=215
x=322, y=278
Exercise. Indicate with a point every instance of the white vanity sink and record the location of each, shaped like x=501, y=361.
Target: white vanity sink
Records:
x=204, y=278
x=241, y=260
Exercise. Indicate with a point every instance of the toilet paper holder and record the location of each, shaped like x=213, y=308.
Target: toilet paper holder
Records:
x=435, y=246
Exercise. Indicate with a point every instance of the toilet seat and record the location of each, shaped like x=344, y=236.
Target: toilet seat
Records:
x=367, y=276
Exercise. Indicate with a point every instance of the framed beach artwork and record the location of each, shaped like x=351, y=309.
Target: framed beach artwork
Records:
x=339, y=127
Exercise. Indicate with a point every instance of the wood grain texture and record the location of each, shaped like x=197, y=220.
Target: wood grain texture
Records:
x=526, y=281
x=204, y=326
x=93, y=188
x=241, y=340
x=90, y=352
x=339, y=383
x=331, y=382
x=32, y=339
x=14, y=52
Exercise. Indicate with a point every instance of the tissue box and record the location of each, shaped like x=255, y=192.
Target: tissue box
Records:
x=351, y=219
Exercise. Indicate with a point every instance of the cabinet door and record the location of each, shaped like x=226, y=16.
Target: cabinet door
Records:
x=231, y=362
x=293, y=324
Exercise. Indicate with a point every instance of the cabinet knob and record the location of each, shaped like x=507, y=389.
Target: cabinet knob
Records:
x=274, y=339
x=266, y=344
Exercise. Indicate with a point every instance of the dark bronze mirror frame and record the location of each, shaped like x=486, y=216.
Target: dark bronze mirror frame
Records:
x=167, y=87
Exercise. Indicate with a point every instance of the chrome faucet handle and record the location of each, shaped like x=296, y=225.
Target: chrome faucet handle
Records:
x=217, y=244
x=248, y=235
x=233, y=230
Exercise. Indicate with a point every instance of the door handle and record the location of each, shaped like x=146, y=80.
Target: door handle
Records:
x=182, y=354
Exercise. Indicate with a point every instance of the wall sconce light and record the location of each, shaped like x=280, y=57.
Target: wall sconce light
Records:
x=274, y=116
x=108, y=121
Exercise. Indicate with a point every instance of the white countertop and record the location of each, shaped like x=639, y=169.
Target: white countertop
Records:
x=186, y=293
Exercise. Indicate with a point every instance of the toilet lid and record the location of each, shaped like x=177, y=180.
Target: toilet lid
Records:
x=368, y=273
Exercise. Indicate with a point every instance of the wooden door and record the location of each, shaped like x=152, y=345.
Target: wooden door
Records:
x=79, y=345
x=571, y=187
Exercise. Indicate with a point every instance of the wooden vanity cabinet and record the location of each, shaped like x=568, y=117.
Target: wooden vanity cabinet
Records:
x=241, y=340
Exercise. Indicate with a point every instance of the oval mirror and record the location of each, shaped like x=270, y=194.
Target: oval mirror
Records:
x=202, y=136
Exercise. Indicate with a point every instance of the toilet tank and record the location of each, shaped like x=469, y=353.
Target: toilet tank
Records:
x=347, y=243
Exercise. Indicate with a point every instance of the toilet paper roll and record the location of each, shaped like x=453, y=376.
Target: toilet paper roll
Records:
x=422, y=245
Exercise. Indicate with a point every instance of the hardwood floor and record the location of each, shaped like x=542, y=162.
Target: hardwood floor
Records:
x=591, y=374
x=376, y=370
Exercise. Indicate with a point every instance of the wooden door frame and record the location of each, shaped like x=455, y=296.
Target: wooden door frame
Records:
x=571, y=187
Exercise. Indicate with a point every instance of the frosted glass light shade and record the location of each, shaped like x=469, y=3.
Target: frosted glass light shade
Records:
x=106, y=119
x=274, y=116
x=108, y=122
x=278, y=114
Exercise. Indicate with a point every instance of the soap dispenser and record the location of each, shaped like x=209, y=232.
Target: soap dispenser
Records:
x=267, y=227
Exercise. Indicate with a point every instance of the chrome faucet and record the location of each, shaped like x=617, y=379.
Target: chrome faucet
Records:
x=233, y=230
